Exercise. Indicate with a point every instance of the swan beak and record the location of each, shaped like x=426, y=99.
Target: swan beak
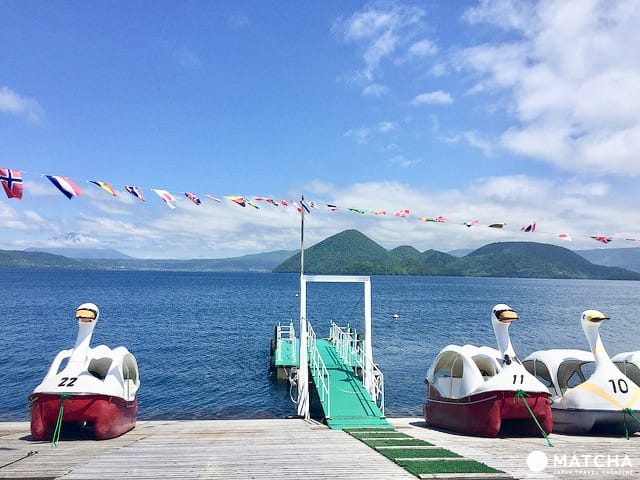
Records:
x=594, y=316
x=84, y=315
x=506, y=316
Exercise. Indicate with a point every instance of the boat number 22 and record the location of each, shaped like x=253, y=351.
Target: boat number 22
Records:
x=67, y=381
x=621, y=384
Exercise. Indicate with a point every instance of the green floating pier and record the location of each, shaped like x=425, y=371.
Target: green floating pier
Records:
x=340, y=369
x=351, y=404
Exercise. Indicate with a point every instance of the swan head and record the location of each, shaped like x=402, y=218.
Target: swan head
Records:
x=87, y=313
x=503, y=315
x=592, y=318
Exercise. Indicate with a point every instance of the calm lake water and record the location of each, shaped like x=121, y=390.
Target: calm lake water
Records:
x=202, y=339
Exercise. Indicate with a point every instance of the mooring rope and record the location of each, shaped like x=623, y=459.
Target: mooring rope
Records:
x=27, y=455
x=58, y=428
x=522, y=395
x=628, y=411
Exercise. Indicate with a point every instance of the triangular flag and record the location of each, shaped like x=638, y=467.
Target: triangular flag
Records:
x=167, y=198
x=237, y=199
x=135, y=191
x=105, y=186
x=65, y=185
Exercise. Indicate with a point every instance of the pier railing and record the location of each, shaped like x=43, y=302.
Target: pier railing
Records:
x=286, y=334
x=350, y=351
x=319, y=371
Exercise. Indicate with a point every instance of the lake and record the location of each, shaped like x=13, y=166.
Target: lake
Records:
x=202, y=339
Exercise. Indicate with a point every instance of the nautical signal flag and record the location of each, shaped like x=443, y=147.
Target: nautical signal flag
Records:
x=65, y=185
x=135, y=191
x=529, y=228
x=236, y=199
x=11, y=182
x=601, y=238
x=166, y=197
x=105, y=186
x=193, y=198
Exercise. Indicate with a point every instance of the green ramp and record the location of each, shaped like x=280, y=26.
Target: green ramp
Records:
x=350, y=405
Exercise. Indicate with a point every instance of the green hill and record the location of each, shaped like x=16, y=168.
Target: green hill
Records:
x=20, y=259
x=536, y=260
x=351, y=252
x=348, y=252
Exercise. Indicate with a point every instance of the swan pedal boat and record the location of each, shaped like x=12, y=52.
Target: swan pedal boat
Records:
x=591, y=392
x=484, y=391
x=94, y=388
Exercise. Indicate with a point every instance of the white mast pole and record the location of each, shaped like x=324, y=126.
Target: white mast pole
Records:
x=368, y=351
x=303, y=367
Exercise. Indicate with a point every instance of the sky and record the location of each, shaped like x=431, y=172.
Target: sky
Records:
x=495, y=111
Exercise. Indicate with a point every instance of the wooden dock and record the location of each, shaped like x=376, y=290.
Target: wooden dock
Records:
x=292, y=448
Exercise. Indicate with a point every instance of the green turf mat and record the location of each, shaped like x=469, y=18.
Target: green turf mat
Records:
x=396, y=443
x=374, y=435
x=419, y=462
x=446, y=466
x=394, y=453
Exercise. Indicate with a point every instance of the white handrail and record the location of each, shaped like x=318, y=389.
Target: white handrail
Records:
x=319, y=370
x=286, y=334
x=349, y=349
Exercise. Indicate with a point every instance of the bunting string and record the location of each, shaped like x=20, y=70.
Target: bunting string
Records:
x=13, y=186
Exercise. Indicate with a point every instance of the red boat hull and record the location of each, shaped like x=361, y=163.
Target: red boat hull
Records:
x=485, y=414
x=109, y=416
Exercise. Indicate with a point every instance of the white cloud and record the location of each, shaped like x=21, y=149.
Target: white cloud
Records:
x=422, y=48
x=437, y=97
x=384, y=127
x=570, y=78
x=375, y=90
x=360, y=135
x=24, y=107
x=380, y=29
x=214, y=229
x=474, y=139
x=404, y=162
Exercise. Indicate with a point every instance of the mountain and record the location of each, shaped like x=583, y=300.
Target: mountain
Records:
x=537, y=260
x=77, y=252
x=628, y=258
x=348, y=252
x=259, y=262
x=351, y=252
x=21, y=259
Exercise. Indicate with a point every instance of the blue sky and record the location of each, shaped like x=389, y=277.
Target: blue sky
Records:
x=496, y=111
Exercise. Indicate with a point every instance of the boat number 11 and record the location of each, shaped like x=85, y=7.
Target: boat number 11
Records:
x=518, y=377
x=67, y=381
x=621, y=384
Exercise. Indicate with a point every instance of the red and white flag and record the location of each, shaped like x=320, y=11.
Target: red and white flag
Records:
x=166, y=197
x=11, y=182
x=65, y=185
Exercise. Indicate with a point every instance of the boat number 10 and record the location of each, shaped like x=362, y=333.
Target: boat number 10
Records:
x=621, y=385
x=67, y=381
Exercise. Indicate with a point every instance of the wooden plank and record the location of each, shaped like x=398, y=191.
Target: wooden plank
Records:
x=288, y=449
x=201, y=449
